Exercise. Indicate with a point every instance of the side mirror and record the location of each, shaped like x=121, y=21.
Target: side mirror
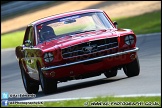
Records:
x=28, y=43
x=115, y=23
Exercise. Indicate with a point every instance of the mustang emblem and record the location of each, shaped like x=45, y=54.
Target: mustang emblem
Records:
x=89, y=48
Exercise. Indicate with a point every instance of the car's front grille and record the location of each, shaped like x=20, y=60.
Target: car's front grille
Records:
x=92, y=47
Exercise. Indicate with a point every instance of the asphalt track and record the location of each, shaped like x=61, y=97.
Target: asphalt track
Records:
x=148, y=82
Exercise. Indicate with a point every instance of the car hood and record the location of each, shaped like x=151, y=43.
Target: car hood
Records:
x=71, y=40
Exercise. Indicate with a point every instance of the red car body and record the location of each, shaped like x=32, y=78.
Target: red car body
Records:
x=77, y=55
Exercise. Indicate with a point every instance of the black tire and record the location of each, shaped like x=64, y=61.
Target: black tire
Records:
x=111, y=73
x=48, y=85
x=132, y=69
x=31, y=86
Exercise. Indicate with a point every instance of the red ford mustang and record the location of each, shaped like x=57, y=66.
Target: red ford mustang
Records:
x=75, y=45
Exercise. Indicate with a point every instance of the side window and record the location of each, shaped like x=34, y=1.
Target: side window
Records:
x=29, y=35
x=26, y=36
x=32, y=36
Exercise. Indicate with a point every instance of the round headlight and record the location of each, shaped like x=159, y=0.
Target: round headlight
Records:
x=48, y=57
x=129, y=40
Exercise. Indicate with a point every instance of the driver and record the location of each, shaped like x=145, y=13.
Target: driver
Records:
x=46, y=33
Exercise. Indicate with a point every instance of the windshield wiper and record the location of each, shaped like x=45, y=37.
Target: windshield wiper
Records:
x=83, y=31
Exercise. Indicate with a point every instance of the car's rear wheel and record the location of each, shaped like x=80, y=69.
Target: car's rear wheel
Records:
x=132, y=69
x=31, y=86
x=111, y=73
x=48, y=85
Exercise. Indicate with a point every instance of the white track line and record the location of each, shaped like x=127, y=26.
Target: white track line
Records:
x=138, y=95
x=62, y=99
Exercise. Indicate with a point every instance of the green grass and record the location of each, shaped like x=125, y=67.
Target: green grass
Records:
x=143, y=101
x=142, y=24
x=12, y=39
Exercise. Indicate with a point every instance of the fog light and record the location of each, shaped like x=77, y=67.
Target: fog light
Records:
x=52, y=74
x=132, y=56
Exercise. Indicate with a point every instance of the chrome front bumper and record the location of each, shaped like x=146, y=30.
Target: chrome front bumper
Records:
x=97, y=58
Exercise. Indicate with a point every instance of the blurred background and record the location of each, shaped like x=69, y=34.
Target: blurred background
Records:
x=16, y=15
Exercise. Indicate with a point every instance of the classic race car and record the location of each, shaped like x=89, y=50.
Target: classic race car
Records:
x=75, y=45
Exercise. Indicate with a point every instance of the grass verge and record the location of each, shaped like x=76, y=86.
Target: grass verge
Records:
x=142, y=24
x=12, y=40
x=109, y=101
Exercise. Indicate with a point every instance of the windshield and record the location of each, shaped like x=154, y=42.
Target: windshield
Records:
x=70, y=25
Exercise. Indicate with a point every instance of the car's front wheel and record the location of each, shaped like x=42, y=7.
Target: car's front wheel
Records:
x=31, y=86
x=132, y=69
x=48, y=85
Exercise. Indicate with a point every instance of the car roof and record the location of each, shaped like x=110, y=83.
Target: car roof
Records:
x=39, y=21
